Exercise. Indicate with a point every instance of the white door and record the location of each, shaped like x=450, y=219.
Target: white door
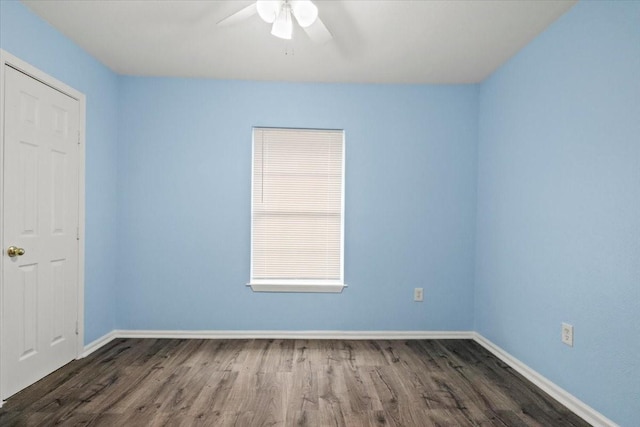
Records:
x=40, y=217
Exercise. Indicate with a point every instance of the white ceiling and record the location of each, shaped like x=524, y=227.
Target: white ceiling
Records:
x=375, y=41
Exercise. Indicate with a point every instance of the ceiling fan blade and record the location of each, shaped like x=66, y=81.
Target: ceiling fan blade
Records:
x=318, y=32
x=239, y=16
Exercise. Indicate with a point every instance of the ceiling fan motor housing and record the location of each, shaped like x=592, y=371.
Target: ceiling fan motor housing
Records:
x=279, y=12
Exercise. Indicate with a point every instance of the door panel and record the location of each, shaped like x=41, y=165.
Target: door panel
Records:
x=28, y=209
x=27, y=310
x=40, y=215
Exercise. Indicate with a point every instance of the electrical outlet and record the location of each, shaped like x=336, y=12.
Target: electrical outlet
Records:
x=567, y=334
x=418, y=294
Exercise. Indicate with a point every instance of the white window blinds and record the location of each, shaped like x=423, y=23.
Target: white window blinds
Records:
x=297, y=207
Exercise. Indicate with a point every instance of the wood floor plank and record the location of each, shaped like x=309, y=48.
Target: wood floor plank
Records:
x=362, y=394
x=215, y=394
x=305, y=418
x=302, y=390
x=155, y=382
x=332, y=394
x=224, y=355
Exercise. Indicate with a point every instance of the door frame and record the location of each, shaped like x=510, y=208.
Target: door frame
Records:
x=8, y=59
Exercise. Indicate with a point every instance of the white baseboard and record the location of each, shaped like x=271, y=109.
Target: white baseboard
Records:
x=577, y=406
x=338, y=335
x=97, y=344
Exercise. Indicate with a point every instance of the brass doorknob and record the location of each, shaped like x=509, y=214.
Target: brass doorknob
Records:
x=13, y=251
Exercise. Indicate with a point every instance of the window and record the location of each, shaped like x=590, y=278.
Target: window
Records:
x=297, y=210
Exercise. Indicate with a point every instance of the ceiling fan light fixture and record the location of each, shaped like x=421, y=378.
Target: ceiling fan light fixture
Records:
x=305, y=12
x=269, y=9
x=283, y=26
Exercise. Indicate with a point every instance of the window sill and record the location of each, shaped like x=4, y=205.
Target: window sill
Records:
x=297, y=287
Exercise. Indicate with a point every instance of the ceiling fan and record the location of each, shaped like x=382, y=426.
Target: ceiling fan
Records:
x=280, y=13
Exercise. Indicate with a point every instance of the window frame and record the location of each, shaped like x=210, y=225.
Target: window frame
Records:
x=298, y=285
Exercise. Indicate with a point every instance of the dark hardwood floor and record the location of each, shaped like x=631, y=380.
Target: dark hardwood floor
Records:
x=149, y=382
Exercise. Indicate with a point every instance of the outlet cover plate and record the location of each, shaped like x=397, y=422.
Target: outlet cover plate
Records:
x=418, y=294
x=567, y=334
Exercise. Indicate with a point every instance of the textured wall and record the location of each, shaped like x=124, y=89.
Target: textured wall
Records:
x=185, y=193
x=558, y=235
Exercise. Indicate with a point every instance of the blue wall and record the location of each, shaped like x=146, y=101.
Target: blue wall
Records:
x=184, y=204
x=558, y=234
x=26, y=36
